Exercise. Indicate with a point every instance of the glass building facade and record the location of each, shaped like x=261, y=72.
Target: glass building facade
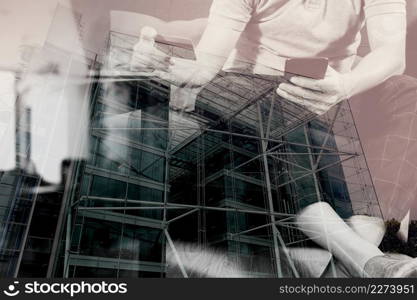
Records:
x=231, y=176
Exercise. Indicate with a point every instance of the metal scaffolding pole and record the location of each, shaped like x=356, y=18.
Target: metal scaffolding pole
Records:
x=275, y=232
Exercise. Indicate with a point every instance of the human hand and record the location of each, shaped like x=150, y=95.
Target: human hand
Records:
x=183, y=99
x=145, y=56
x=149, y=60
x=318, y=96
x=187, y=79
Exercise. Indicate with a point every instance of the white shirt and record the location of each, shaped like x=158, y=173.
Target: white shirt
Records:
x=273, y=30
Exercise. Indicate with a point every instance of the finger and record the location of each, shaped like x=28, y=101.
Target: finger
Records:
x=330, y=71
x=141, y=61
x=302, y=92
x=332, y=100
x=308, y=83
x=157, y=61
x=160, y=66
x=161, y=74
x=306, y=101
x=315, y=107
x=175, y=104
x=162, y=58
x=174, y=107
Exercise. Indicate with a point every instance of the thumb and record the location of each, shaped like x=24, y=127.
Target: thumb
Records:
x=331, y=71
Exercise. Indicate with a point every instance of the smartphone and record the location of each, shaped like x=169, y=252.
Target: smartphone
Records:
x=176, y=47
x=314, y=67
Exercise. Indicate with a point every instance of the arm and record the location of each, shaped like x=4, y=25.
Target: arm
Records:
x=387, y=35
x=227, y=19
x=212, y=52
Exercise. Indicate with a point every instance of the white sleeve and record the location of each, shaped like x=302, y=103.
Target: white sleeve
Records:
x=380, y=7
x=231, y=14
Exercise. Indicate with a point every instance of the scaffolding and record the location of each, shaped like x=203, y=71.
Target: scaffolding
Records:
x=232, y=174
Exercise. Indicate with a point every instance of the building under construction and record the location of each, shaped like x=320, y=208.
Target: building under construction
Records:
x=231, y=175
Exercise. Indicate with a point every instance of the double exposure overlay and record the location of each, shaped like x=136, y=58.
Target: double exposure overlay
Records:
x=110, y=169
